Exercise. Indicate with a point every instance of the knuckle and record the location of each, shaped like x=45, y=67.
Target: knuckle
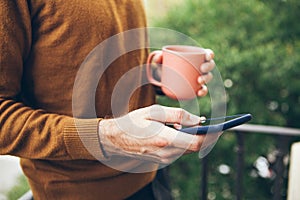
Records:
x=161, y=142
x=179, y=114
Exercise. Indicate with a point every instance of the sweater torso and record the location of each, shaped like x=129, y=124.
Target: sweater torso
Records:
x=53, y=39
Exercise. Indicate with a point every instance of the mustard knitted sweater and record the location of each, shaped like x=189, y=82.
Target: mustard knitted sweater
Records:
x=43, y=44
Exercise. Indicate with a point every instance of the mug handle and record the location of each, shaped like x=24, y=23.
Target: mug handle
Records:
x=148, y=69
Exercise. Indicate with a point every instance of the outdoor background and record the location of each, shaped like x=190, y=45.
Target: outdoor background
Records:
x=257, y=51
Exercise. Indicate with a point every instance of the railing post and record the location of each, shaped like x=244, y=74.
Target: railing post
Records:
x=282, y=149
x=204, y=174
x=240, y=165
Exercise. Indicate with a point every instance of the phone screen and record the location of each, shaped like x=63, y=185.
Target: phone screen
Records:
x=234, y=120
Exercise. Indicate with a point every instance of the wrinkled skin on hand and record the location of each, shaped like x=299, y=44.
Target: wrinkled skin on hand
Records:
x=142, y=134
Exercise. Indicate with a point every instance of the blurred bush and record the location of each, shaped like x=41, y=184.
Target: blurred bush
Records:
x=257, y=51
x=19, y=189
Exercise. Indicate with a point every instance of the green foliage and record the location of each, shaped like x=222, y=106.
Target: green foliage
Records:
x=19, y=189
x=252, y=51
x=185, y=181
x=257, y=51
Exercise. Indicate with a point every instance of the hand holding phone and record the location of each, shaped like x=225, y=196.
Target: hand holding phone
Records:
x=215, y=128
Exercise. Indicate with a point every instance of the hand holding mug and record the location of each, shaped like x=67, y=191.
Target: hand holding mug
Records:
x=185, y=70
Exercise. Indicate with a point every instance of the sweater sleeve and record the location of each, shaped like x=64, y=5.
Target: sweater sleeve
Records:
x=24, y=131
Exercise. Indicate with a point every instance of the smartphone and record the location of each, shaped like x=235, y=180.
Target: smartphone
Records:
x=236, y=120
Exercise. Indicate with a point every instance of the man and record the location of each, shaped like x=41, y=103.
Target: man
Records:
x=43, y=45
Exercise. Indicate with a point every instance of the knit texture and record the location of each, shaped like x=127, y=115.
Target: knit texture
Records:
x=43, y=44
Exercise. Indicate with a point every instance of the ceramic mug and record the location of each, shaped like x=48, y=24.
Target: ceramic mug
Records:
x=180, y=70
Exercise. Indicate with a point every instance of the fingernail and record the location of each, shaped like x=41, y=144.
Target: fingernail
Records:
x=199, y=79
x=202, y=119
x=208, y=56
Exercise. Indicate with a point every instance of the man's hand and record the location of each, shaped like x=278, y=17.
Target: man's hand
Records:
x=205, y=69
x=142, y=134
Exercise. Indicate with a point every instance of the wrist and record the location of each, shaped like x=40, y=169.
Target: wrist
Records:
x=106, y=129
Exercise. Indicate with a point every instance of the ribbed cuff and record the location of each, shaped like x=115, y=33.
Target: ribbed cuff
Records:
x=82, y=139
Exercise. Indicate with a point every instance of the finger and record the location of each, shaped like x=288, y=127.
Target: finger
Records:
x=158, y=58
x=205, y=78
x=143, y=157
x=158, y=71
x=172, y=115
x=186, y=143
x=181, y=140
x=203, y=91
x=203, y=119
x=169, y=154
x=162, y=155
x=202, y=142
x=209, y=54
x=207, y=66
x=177, y=126
x=192, y=144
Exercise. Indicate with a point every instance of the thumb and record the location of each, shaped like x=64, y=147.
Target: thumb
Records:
x=158, y=58
x=173, y=115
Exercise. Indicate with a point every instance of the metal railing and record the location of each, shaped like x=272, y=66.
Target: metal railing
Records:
x=283, y=135
x=240, y=131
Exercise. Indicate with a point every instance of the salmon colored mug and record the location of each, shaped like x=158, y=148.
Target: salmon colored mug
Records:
x=180, y=70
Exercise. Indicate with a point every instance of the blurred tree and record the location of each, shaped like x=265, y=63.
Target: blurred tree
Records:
x=19, y=189
x=257, y=52
x=257, y=47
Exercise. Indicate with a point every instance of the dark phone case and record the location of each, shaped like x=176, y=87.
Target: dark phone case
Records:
x=200, y=130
